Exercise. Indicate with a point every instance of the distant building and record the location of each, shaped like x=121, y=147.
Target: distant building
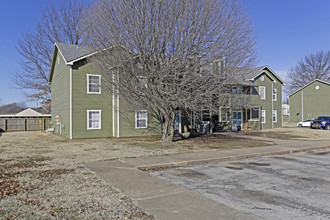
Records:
x=26, y=113
x=26, y=120
x=310, y=101
x=285, y=109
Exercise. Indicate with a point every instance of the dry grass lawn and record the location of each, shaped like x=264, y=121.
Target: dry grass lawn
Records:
x=292, y=133
x=42, y=176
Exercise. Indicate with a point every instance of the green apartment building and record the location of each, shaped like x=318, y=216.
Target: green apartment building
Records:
x=264, y=107
x=310, y=101
x=82, y=108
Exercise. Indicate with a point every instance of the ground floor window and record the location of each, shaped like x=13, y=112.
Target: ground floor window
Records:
x=274, y=115
x=255, y=113
x=93, y=119
x=141, y=119
x=263, y=116
x=224, y=114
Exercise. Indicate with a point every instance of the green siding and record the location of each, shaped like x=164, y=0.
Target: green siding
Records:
x=127, y=123
x=60, y=88
x=268, y=104
x=81, y=102
x=277, y=105
x=107, y=104
x=315, y=102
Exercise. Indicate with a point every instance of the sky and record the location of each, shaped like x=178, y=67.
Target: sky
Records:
x=285, y=30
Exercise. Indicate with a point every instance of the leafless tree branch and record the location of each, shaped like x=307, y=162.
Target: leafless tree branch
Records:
x=311, y=67
x=175, y=45
x=57, y=24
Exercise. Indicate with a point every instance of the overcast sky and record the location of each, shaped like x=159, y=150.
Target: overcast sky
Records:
x=286, y=30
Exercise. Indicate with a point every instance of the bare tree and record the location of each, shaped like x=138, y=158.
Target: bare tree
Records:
x=57, y=24
x=169, y=55
x=311, y=67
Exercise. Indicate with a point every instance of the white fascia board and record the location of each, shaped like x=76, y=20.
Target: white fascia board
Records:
x=277, y=76
x=263, y=71
x=81, y=58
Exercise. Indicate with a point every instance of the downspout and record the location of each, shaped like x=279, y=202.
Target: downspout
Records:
x=113, y=106
x=289, y=108
x=302, y=105
x=261, y=117
x=70, y=102
x=273, y=105
x=118, y=105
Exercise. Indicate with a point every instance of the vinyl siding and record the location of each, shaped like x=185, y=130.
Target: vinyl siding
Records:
x=277, y=105
x=127, y=123
x=316, y=102
x=81, y=102
x=60, y=89
x=268, y=104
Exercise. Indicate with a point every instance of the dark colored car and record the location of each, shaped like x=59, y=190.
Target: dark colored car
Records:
x=321, y=122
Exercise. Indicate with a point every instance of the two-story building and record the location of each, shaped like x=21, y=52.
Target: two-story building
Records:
x=82, y=108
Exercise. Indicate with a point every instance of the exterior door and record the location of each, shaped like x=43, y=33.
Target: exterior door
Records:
x=177, y=122
x=237, y=118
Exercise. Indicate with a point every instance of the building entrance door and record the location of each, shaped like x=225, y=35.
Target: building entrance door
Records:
x=237, y=118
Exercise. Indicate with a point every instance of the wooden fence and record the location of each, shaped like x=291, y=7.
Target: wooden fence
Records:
x=24, y=124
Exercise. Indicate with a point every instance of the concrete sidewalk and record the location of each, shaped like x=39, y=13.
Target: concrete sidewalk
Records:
x=165, y=200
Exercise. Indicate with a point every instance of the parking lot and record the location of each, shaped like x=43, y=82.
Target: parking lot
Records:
x=291, y=186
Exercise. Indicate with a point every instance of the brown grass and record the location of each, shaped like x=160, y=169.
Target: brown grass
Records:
x=292, y=134
x=42, y=176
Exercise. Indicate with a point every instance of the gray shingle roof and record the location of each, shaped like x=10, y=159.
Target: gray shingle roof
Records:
x=72, y=52
x=253, y=72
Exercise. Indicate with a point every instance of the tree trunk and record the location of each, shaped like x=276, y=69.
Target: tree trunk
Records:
x=168, y=129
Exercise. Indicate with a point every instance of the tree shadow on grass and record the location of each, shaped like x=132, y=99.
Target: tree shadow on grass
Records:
x=180, y=137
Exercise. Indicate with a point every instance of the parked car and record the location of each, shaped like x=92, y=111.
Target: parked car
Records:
x=321, y=122
x=306, y=123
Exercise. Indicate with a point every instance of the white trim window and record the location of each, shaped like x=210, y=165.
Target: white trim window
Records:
x=93, y=84
x=274, y=94
x=93, y=119
x=141, y=119
x=274, y=115
x=142, y=83
x=263, y=116
x=262, y=92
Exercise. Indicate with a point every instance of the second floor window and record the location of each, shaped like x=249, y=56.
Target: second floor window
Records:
x=274, y=94
x=142, y=84
x=262, y=92
x=93, y=84
x=236, y=90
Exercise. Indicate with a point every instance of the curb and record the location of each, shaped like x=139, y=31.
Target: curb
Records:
x=173, y=165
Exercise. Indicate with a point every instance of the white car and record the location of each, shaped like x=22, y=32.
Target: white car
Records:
x=306, y=123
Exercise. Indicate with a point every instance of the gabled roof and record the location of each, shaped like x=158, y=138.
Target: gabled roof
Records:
x=71, y=53
x=29, y=112
x=327, y=82
x=253, y=73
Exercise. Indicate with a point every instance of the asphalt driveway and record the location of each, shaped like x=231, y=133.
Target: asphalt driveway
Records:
x=290, y=186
